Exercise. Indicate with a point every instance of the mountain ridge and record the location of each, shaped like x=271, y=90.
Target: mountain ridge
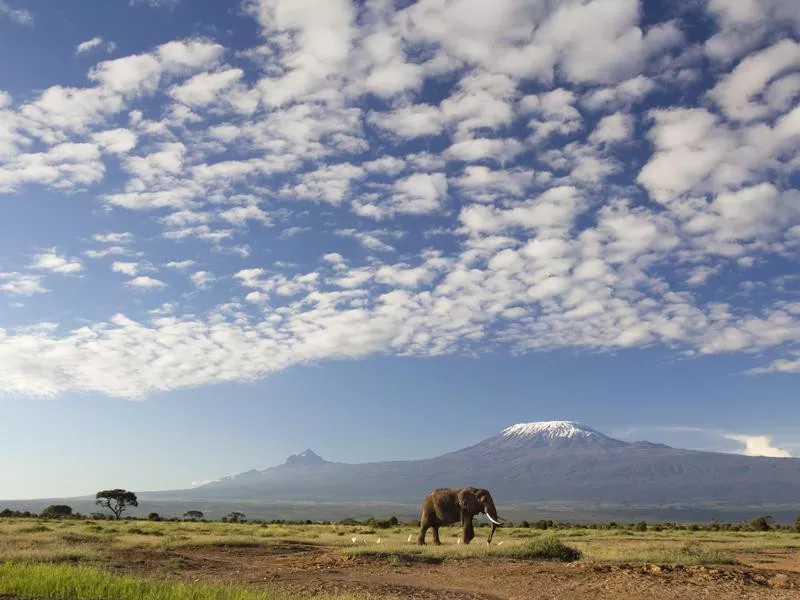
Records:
x=536, y=461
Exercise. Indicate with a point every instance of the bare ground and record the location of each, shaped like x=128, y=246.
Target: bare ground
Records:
x=310, y=569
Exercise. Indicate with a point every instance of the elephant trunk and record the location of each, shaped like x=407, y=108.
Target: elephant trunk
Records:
x=491, y=513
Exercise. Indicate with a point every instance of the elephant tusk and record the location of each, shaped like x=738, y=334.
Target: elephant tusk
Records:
x=492, y=520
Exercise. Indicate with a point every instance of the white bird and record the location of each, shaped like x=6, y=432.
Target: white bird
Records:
x=499, y=543
x=379, y=541
x=353, y=540
x=410, y=536
x=458, y=541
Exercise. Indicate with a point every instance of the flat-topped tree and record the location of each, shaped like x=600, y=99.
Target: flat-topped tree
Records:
x=116, y=500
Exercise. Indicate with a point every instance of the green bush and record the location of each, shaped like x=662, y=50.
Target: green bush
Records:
x=760, y=524
x=641, y=526
x=548, y=548
x=57, y=511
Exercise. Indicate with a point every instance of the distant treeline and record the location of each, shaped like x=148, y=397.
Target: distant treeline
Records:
x=763, y=523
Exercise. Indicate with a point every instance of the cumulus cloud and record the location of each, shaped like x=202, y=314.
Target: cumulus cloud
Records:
x=450, y=176
x=21, y=284
x=127, y=268
x=52, y=261
x=758, y=445
x=145, y=282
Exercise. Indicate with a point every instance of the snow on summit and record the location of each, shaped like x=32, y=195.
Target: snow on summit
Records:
x=550, y=430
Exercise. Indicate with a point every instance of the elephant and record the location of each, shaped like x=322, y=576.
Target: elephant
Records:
x=444, y=506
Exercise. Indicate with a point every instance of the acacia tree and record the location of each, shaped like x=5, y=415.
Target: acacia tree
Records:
x=116, y=500
x=193, y=515
x=57, y=511
x=235, y=517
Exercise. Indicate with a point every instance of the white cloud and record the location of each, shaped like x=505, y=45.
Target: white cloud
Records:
x=498, y=150
x=371, y=240
x=116, y=141
x=88, y=45
x=412, y=121
x=207, y=88
x=19, y=16
x=781, y=365
x=64, y=166
x=202, y=279
x=124, y=237
x=316, y=38
x=758, y=445
x=145, y=282
x=620, y=96
x=613, y=128
x=21, y=284
x=239, y=215
x=738, y=93
x=554, y=114
x=557, y=242
x=94, y=43
x=109, y=251
x=52, y=261
x=179, y=265
x=743, y=24
x=402, y=276
x=483, y=184
x=127, y=268
x=330, y=183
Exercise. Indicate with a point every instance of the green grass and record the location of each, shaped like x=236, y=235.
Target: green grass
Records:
x=90, y=583
x=547, y=547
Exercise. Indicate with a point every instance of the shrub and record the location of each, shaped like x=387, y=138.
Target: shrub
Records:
x=57, y=511
x=641, y=526
x=153, y=516
x=523, y=524
x=548, y=548
x=760, y=524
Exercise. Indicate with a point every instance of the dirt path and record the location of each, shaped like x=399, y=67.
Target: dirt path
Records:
x=310, y=569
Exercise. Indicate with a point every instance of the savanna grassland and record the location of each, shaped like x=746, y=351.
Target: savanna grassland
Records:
x=143, y=560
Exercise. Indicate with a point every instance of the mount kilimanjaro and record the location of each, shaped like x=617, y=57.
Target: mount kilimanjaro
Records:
x=556, y=461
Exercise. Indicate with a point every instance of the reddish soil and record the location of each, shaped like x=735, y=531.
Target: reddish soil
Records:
x=307, y=569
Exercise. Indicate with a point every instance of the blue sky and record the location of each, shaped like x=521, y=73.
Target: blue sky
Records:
x=233, y=230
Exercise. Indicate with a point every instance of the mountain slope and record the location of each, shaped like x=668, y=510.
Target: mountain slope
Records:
x=543, y=461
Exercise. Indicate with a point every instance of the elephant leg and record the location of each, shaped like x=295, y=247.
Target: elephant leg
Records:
x=469, y=531
x=436, y=535
x=422, y=531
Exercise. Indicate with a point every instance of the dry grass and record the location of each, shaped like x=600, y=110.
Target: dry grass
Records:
x=96, y=542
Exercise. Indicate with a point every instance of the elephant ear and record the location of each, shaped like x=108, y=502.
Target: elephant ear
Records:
x=468, y=501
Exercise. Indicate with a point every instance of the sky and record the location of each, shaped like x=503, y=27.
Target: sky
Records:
x=234, y=230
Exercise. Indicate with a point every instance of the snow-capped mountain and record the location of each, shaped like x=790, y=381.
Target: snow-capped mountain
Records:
x=550, y=430
x=538, y=461
x=552, y=434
